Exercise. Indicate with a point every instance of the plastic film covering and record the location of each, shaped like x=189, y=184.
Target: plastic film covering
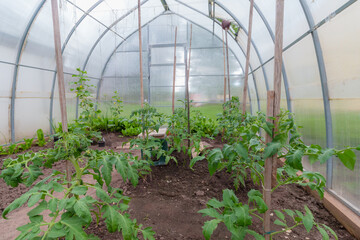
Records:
x=101, y=36
x=343, y=72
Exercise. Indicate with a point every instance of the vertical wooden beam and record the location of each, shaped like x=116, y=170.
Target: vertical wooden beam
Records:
x=268, y=168
x=187, y=87
x=60, y=74
x=278, y=65
x=227, y=57
x=224, y=65
x=174, y=74
x=248, y=56
x=140, y=53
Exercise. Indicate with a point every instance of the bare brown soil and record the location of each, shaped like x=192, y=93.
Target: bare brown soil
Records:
x=169, y=200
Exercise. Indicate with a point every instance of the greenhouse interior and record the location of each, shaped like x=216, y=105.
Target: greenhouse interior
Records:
x=212, y=73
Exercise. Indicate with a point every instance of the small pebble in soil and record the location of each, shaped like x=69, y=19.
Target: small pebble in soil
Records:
x=199, y=193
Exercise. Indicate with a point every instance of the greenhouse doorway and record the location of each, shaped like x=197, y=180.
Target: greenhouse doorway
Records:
x=161, y=69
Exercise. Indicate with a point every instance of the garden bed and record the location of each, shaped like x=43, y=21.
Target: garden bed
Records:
x=169, y=200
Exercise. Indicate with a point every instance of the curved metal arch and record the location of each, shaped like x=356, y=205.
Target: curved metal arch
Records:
x=324, y=87
x=108, y=60
x=283, y=69
x=252, y=41
x=242, y=50
x=258, y=55
x=16, y=69
x=62, y=51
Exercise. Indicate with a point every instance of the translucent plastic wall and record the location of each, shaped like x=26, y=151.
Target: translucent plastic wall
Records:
x=320, y=63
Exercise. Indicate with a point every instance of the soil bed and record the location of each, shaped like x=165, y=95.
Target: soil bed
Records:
x=169, y=200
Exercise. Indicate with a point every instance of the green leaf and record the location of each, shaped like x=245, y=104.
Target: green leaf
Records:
x=255, y=234
x=74, y=226
x=58, y=187
x=112, y=218
x=330, y=230
x=242, y=215
x=214, y=160
x=326, y=155
x=39, y=209
x=79, y=190
x=272, y=149
x=209, y=228
x=106, y=170
x=56, y=232
x=148, y=233
x=241, y=150
x=279, y=215
x=229, y=198
x=53, y=203
x=289, y=212
x=280, y=223
x=256, y=196
x=211, y=212
x=82, y=210
x=195, y=160
x=295, y=160
x=308, y=220
x=34, y=199
x=214, y=203
x=348, y=158
x=323, y=233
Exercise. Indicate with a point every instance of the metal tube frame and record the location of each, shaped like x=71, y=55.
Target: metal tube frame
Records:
x=325, y=90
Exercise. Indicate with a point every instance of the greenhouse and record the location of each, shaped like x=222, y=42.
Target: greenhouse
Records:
x=179, y=119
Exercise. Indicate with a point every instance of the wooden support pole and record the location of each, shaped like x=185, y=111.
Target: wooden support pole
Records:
x=174, y=74
x=60, y=74
x=277, y=66
x=228, y=66
x=248, y=57
x=224, y=66
x=187, y=88
x=140, y=53
x=268, y=168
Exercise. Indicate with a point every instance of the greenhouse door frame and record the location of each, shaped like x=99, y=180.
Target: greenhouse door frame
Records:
x=179, y=46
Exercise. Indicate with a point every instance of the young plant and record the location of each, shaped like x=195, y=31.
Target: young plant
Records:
x=69, y=205
x=40, y=138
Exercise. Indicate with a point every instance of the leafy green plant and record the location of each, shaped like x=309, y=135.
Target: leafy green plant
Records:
x=238, y=217
x=72, y=212
x=40, y=138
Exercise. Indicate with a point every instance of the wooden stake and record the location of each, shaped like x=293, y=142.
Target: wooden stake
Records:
x=60, y=75
x=174, y=74
x=227, y=56
x=268, y=168
x=248, y=56
x=224, y=66
x=277, y=67
x=187, y=87
x=140, y=52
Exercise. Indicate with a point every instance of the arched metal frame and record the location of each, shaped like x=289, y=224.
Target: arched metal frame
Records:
x=325, y=90
x=16, y=69
x=108, y=60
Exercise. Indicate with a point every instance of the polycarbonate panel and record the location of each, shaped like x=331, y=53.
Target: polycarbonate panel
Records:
x=132, y=42
x=253, y=94
x=127, y=88
x=254, y=58
x=163, y=76
x=295, y=23
x=14, y=17
x=32, y=102
x=6, y=78
x=261, y=86
x=125, y=64
x=39, y=49
x=211, y=62
x=165, y=55
x=306, y=94
x=162, y=96
x=5, y=134
x=342, y=66
x=202, y=39
x=163, y=30
x=321, y=9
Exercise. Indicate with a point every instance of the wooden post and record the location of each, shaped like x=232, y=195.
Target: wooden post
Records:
x=174, y=74
x=224, y=66
x=277, y=67
x=268, y=167
x=187, y=87
x=140, y=53
x=60, y=75
x=248, y=56
x=227, y=57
